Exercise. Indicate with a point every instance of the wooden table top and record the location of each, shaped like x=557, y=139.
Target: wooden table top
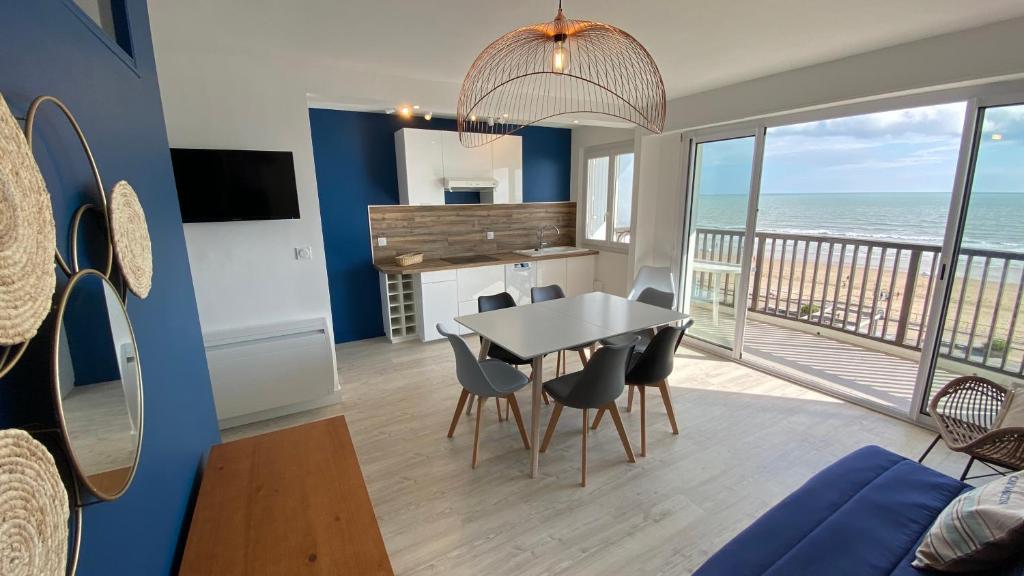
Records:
x=500, y=258
x=287, y=502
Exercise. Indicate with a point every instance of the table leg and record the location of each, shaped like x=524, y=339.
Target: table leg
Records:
x=485, y=346
x=538, y=385
x=714, y=298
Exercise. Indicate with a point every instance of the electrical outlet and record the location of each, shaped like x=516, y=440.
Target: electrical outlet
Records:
x=382, y=241
x=304, y=253
x=489, y=235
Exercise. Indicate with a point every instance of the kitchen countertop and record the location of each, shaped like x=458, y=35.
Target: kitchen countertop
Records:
x=500, y=258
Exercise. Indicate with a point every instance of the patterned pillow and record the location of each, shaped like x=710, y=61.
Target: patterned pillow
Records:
x=978, y=530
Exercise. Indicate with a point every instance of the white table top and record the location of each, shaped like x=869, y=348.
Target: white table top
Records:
x=533, y=330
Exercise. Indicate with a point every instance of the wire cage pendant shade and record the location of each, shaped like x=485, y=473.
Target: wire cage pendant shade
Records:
x=559, y=67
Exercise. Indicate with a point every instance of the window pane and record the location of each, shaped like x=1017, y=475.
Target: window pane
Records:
x=623, y=196
x=597, y=198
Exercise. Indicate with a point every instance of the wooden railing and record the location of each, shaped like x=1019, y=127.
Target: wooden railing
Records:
x=877, y=290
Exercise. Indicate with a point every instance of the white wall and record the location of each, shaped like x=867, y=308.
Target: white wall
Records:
x=611, y=269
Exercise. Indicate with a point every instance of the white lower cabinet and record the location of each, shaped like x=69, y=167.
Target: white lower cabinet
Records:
x=552, y=272
x=439, y=302
x=579, y=275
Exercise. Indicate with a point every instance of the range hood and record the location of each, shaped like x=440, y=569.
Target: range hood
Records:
x=469, y=184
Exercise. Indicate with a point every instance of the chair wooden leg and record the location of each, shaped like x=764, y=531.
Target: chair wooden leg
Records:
x=643, y=420
x=511, y=398
x=476, y=435
x=458, y=411
x=667, y=399
x=586, y=429
x=597, y=418
x=497, y=403
x=967, y=469
x=469, y=405
x=583, y=357
x=507, y=408
x=617, y=419
x=629, y=401
x=555, y=413
x=930, y=446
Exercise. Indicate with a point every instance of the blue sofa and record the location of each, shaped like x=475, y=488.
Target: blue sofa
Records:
x=863, y=515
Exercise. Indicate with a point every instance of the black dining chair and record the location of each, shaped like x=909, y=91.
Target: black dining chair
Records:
x=597, y=385
x=486, y=379
x=651, y=369
x=555, y=292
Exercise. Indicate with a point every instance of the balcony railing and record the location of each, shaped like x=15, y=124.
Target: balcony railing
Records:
x=877, y=290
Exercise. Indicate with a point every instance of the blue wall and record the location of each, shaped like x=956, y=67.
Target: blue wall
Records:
x=48, y=47
x=355, y=167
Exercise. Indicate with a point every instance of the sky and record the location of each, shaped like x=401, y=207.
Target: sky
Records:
x=912, y=150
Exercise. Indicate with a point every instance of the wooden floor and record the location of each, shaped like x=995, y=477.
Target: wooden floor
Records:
x=746, y=440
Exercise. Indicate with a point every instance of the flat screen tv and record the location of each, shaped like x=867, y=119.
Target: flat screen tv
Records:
x=231, y=185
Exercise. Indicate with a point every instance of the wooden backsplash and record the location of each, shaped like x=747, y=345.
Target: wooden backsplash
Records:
x=457, y=230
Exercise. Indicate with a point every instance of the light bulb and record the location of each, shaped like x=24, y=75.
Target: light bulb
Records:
x=560, y=57
x=428, y=116
x=472, y=117
x=405, y=111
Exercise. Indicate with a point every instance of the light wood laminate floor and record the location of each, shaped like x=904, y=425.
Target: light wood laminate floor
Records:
x=746, y=440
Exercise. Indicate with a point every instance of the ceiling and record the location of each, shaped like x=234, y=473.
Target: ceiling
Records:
x=698, y=44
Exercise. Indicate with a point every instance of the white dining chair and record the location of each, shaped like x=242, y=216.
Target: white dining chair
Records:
x=660, y=278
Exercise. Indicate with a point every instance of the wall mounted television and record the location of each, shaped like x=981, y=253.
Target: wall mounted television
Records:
x=233, y=185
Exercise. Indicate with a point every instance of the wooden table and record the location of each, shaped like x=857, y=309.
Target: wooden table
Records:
x=287, y=502
x=533, y=330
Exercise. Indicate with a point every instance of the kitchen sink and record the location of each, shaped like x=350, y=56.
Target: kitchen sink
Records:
x=551, y=250
x=471, y=259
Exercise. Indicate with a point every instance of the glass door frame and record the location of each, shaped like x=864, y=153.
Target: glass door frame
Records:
x=691, y=140
x=950, y=254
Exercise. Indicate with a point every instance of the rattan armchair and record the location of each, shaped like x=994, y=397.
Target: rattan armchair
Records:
x=964, y=411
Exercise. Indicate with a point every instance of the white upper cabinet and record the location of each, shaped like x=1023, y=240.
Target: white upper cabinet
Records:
x=427, y=158
x=465, y=163
x=420, y=159
x=507, y=161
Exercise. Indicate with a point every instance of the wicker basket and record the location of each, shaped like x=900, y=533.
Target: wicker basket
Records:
x=409, y=259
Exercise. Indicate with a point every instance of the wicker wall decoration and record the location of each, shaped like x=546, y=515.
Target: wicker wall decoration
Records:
x=555, y=68
x=33, y=508
x=130, y=236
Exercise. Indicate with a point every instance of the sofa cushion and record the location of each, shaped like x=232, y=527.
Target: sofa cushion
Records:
x=981, y=529
x=864, y=514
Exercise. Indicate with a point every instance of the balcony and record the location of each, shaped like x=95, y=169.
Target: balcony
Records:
x=850, y=314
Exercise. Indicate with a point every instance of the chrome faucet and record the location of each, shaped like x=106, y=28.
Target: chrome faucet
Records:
x=540, y=235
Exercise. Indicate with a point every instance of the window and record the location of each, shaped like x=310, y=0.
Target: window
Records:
x=609, y=194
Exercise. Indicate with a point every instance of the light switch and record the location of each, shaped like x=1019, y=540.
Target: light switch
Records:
x=489, y=235
x=382, y=241
x=304, y=253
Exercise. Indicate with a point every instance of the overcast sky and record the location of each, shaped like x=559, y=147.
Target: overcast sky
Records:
x=911, y=150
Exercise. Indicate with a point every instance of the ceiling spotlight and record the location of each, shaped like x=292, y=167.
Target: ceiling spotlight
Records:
x=472, y=117
x=997, y=136
x=405, y=111
x=415, y=106
x=575, y=121
x=428, y=116
x=389, y=110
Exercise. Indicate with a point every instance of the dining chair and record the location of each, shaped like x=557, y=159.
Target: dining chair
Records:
x=660, y=278
x=484, y=379
x=555, y=292
x=597, y=385
x=501, y=301
x=651, y=369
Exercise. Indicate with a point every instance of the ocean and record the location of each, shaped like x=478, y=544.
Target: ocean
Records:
x=995, y=221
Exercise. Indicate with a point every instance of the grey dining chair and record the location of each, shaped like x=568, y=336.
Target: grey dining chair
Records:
x=555, y=292
x=597, y=386
x=484, y=379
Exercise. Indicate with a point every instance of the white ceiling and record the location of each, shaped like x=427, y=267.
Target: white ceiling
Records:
x=698, y=44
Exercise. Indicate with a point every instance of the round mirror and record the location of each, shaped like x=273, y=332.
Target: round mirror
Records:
x=97, y=384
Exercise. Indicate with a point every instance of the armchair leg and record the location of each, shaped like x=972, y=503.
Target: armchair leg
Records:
x=597, y=419
x=583, y=463
x=967, y=469
x=458, y=411
x=476, y=435
x=617, y=418
x=555, y=413
x=930, y=446
x=667, y=399
x=519, y=419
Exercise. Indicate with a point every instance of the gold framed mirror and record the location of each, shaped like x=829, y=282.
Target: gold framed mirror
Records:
x=97, y=384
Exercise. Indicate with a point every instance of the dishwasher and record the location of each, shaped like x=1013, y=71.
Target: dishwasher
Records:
x=519, y=278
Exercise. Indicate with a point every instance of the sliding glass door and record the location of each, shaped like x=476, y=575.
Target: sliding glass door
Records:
x=722, y=182
x=980, y=330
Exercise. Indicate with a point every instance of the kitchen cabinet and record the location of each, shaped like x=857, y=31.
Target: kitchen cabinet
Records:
x=420, y=162
x=465, y=163
x=437, y=294
x=476, y=282
x=507, y=162
x=551, y=272
x=579, y=275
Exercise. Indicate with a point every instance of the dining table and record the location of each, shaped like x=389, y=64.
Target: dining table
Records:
x=532, y=331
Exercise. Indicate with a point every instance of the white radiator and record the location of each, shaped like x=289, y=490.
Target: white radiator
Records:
x=262, y=368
